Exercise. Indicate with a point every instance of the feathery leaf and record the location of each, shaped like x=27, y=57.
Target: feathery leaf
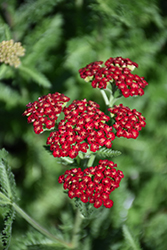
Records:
x=7, y=195
x=7, y=182
x=36, y=76
x=133, y=243
x=107, y=152
x=8, y=217
x=33, y=240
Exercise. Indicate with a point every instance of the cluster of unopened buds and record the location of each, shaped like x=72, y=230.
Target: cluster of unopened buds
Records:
x=85, y=129
x=10, y=52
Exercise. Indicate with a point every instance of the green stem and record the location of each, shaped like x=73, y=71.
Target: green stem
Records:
x=5, y=199
x=3, y=70
x=104, y=97
x=67, y=159
x=132, y=243
x=91, y=160
x=109, y=90
x=38, y=227
x=78, y=221
x=113, y=100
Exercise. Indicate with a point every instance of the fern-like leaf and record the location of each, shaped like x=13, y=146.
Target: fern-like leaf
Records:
x=9, y=96
x=36, y=76
x=61, y=160
x=7, y=196
x=44, y=39
x=7, y=181
x=130, y=240
x=8, y=217
x=45, y=247
x=66, y=161
x=5, y=32
x=33, y=240
x=34, y=11
x=107, y=152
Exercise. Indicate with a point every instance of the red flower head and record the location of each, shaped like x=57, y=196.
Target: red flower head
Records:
x=82, y=128
x=116, y=71
x=84, y=184
x=44, y=112
x=128, y=122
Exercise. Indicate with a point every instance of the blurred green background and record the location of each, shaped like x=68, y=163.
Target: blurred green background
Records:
x=60, y=37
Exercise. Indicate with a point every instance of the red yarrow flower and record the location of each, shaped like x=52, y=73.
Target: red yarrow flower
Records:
x=128, y=122
x=84, y=184
x=115, y=71
x=83, y=127
x=44, y=112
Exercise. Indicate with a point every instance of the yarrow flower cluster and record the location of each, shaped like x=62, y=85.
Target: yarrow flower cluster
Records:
x=116, y=71
x=83, y=127
x=44, y=112
x=10, y=52
x=128, y=122
x=94, y=184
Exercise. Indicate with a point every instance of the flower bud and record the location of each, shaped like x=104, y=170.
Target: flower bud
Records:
x=10, y=53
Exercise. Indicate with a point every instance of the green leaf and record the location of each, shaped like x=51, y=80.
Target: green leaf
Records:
x=7, y=181
x=3, y=69
x=33, y=240
x=4, y=200
x=43, y=39
x=61, y=160
x=66, y=161
x=5, y=32
x=7, y=196
x=3, y=153
x=9, y=96
x=8, y=217
x=107, y=152
x=131, y=241
x=36, y=76
x=45, y=247
x=34, y=11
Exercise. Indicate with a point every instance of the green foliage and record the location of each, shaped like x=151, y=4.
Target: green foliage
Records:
x=7, y=181
x=35, y=11
x=156, y=224
x=34, y=240
x=87, y=209
x=8, y=216
x=8, y=194
x=44, y=38
x=131, y=242
x=107, y=153
x=5, y=33
x=60, y=37
x=36, y=76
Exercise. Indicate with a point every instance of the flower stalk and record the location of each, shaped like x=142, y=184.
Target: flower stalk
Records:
x=77, y=226
x=39, y=228
x=4, y=199
x=104, y=97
